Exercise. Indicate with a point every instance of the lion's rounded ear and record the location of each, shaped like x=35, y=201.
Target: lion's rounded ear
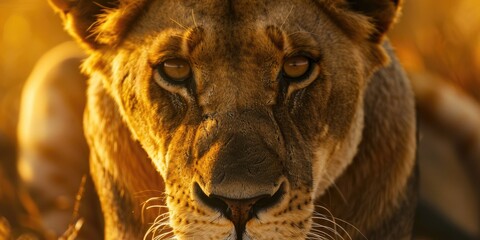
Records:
x=381, y=12
x=97, y=22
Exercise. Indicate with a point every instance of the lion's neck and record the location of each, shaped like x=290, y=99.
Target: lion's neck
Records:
x=126, y=181
x=380, y=184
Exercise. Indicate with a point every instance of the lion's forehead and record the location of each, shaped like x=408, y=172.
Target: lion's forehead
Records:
x=228, y=16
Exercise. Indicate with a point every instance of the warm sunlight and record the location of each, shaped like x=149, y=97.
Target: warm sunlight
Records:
x=436, y=42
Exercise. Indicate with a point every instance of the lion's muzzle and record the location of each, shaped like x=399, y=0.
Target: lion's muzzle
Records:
x=240, y=170
x=239, y=211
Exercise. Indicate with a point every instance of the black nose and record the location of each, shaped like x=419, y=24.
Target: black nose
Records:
x=239, y=211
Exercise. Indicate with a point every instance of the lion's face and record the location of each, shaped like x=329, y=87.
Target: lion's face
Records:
x=248, y=109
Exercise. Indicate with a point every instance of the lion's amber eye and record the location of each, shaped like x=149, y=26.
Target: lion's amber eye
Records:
x=176, y=70
x=296, y=67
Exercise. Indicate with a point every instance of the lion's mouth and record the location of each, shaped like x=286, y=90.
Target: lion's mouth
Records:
x=240, y=211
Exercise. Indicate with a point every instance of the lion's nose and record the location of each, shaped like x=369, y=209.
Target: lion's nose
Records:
x=239, y=211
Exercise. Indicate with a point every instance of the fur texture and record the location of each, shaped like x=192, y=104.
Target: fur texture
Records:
x=240, y=152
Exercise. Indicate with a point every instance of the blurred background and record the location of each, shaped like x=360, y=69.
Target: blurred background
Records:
x=438, y=43
x=28, y=28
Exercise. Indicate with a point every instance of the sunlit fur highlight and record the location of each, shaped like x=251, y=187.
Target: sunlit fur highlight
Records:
x=318, y=139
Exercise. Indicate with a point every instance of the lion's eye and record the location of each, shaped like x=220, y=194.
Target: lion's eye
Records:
x=176, y=70
x=296, y=67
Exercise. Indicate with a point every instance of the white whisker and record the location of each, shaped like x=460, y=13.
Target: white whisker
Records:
x=179, y=24
x=156, y=206
x=194, y=21
x=288, y=15
x=321, y=232
x=145, y=203
x=159, y=224
x=332, y=183
x=330, y=229
x=318, y=234
x=332, y=219
x=148, y=191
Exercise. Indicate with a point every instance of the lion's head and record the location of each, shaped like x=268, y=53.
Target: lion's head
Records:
x=248, y=110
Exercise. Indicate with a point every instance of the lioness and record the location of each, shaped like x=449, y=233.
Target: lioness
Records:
x=246, y=119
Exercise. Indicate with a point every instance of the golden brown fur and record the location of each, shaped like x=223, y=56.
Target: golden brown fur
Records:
x=333, y=155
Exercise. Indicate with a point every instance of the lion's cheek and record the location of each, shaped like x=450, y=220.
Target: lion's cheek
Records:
x=334, y=157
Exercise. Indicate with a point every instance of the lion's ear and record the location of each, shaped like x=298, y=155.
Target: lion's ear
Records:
x=98, y=22
x=381, y=12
